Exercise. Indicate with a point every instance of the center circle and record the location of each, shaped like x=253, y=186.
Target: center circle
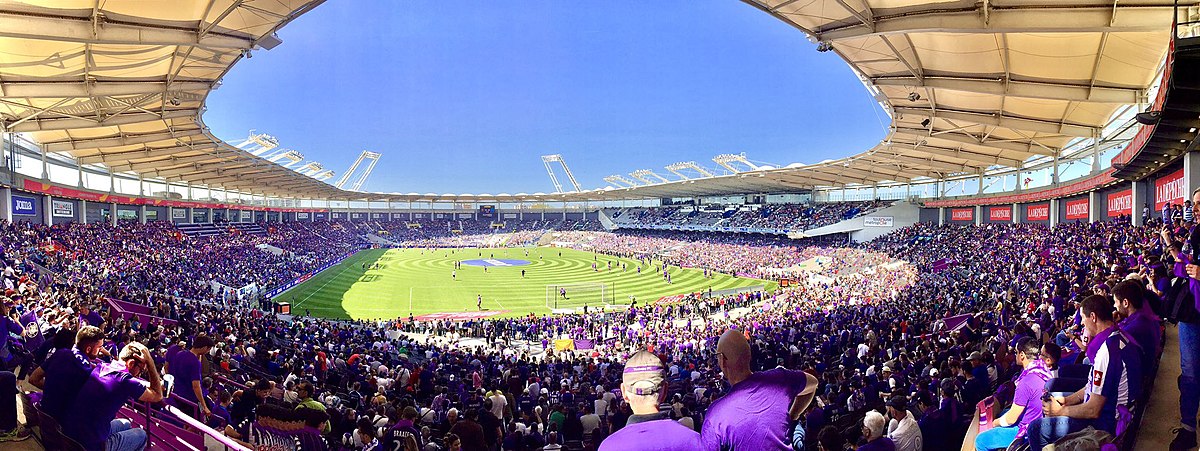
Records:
x=495, y=262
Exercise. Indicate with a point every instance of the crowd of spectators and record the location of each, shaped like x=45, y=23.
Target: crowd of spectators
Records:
x=786, y=216
x=896, y=347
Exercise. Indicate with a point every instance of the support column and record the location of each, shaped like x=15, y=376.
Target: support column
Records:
x=1191, y=173
x=45, y=165
x=980, y=191
x=1095, y=151
x=79, y=169
x=941, y=215
x=112, y=214
x=1093, y=206
x=191, y=218
x=6, y=210
x=142, y=214
x=1016, y=214
x=1054, y=175
x=979, y=214
x=210, y=215
x=47, y=210
x=1139, y=201
x=83, y=212
x=1053, y=213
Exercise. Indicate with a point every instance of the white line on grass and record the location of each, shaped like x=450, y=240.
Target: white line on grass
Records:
x=331, y=279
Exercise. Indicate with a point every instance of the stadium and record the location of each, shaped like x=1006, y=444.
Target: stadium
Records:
x=1013, y=266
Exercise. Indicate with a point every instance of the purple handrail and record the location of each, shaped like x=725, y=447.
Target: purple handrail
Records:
x=204, y=429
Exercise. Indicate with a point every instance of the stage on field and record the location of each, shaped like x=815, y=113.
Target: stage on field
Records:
x=462, y=283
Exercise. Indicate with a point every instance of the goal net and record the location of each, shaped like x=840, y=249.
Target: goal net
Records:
x=575, y=295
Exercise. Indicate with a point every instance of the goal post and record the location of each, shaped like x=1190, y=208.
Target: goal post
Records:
x=575, y=295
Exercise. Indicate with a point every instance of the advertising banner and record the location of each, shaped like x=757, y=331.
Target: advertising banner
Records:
x=1169, y=188
x=1120, y=203
x=1077, y=209
x=962, y=214
x=62, y=209
x=1037, y=212
x=1000, y=213
x=179, y=213
x=879, y=221
x=23, y=206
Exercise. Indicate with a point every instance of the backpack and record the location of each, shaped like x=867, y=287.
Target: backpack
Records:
x=1180, y=303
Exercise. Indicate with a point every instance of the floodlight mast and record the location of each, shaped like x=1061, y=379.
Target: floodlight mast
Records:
x=346, y=175
x=557, y=158
x=726, y=159
x=374, y=157
x=257, y=143
x=642, y=174
x=618, y=180
x=676, y=167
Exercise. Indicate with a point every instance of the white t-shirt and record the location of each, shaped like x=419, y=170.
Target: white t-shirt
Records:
x=499, y=402
x=906, y=433
x=590, y=422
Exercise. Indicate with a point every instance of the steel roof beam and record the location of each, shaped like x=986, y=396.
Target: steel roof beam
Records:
x=41, y=125
x=50, y=89
x=149, y=152
x=1015, y=123
x=1028, y=149
x=978, y=158
x=1009, y=19
x=928, y=162
x=120, y=140
x=15, y=24
x=168, y=163
x=1018, y=88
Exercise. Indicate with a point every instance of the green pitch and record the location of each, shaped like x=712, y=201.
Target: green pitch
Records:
x=399, y=282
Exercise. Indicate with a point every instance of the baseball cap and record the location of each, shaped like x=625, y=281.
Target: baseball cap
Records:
x=643, y=373
x=898, y=402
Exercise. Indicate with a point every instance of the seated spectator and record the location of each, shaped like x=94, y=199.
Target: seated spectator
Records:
x=903, y=428
x=874, y=426
x=1115, y=380
x=1138, y=322
x=65, y=371
x=644, y=387
x=1025, y=409
x=91, y=418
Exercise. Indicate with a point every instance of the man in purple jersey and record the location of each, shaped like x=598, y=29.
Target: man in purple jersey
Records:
x=644, y=387
x=1114, y=380
x=90, y=420
x=772, y=399
x=1026, y=405
x=185, y=367
x=66, y=370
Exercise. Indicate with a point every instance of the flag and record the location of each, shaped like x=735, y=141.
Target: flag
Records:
x=34, y=339
x=564, y=345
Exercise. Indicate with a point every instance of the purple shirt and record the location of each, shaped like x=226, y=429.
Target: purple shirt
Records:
x=185, y=367
x=766, y=397
x=880, y=444
x=655, y=435
x=98, y=402
x=1028, y=393
x=66, y=371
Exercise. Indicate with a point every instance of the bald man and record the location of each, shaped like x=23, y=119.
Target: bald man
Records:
x=644, y=386
x=761, y=409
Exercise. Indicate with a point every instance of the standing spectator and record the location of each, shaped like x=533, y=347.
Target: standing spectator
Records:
x=1115, y=380
x=1189, y=345
x=903, y=428
x=90, y=420
x=470, y=432
x=774, y=398
x=643, y=386
x=185, y=368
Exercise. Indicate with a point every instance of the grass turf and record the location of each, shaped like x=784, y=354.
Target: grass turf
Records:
x=418, y=281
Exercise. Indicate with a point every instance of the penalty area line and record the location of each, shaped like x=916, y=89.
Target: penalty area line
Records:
x=331, y=279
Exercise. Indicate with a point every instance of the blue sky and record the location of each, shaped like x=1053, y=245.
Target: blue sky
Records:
x=465, y=97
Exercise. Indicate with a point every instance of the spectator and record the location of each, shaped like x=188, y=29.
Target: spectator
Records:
x=185, y=368
x=65, y=371
x=470, y=432
x=1115, y=380
x=1141, y=324
x=644, y=387
x=903, y=428
x=873, y=429
x=1014, y=423
x=90, y=420
x=774, y=398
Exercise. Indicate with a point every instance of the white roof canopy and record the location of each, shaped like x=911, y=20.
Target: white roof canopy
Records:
x=970, y=85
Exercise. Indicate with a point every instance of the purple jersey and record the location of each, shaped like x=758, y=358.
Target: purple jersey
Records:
x=765, y=396
x=1028, y=393
x=66, y=371
x=656, y=435
x=99, y=400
